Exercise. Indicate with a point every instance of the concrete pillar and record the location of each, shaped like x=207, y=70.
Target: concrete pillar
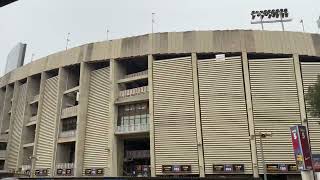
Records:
x=151, y=125
x=246, y=75
x=62, y=76
x=305, y=175
x=13, y=112
x=82, y=117
x=194, y=60
x=113, y=146
x=44, y=77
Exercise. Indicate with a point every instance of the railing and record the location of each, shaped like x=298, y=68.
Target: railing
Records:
x=69, y=112
x=65, y=134
x=133, y=92
x=141, y=73
x=138, y=154
x=64, y=165
x=33, y=118
x=26, y=167
x=133, y=128
x=4, y=137
x=35, y=98
x=3, y=153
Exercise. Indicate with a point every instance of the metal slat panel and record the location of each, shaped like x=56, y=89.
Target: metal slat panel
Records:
x=15, y=142
x=47, y=125
x=98, y=122
x=275, y=106
x=223, y=113
x=174, y=116
x=310, y=72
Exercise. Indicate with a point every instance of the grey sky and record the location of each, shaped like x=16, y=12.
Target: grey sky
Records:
x=44, y=24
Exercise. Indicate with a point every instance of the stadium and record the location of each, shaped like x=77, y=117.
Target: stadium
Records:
x=183, y=104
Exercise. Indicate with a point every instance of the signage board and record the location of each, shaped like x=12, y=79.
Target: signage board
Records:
x=228, y=168
x=94, y=172
x=281, y=168
x=65, y=172
x=41, y=172
x=316, y=162
x=176, y=168
x=301, y=147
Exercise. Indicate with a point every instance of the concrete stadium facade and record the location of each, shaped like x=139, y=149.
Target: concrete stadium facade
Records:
x=162, y=104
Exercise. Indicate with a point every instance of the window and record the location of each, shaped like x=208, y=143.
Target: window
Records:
x=69, y=124
x=3, y=146
x=133, y=114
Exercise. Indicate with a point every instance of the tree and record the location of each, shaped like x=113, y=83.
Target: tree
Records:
x=313, y=99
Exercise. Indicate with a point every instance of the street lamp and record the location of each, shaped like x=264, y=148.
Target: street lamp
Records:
x=262, y=135
x=270, y=16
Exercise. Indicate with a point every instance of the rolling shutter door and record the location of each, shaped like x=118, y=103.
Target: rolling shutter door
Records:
x=275, y=107
x=98, y=122
x=15, y=141
x=223, y=113
x=174, y=114
x=310, y=72
x=47, y=127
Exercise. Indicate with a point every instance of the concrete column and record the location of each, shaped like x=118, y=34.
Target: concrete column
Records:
x=194, y=60
x=13, y=112
x=113, y=146
x=61, y=88
x=305, y=175
x=246, y=75
x=151, y=125
x=44, y=77
x=82, y=117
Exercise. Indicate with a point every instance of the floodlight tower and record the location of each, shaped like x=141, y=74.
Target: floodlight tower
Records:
x=274, y=15
x=318, y=22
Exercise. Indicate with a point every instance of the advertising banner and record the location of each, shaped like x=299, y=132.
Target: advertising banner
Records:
x=316, y=162
x=301, y=147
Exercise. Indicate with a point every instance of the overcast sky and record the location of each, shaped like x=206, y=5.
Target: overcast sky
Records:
x=44, y=24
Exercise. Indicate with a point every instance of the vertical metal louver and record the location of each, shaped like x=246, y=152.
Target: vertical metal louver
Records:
x=17, y=120
x=223, y=113
x=310, y=72
x=96, y=147
x=174, y=114
x=275, y=106
x=47, y=125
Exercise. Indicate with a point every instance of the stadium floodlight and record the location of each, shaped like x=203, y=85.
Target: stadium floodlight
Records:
x=318, y=22
x=270, y=16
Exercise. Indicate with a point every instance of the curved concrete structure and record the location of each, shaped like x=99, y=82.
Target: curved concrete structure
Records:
x=177, y=103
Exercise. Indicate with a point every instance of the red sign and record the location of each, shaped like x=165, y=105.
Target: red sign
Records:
x=301, y=147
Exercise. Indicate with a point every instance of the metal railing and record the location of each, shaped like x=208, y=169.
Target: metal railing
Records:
x=132, y=128
x=65, y=134
x=133, y=92
x=138, y=154
x=69, y=112
x=141, y=73
x=64, y=165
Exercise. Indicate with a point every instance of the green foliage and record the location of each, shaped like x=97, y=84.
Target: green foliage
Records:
x=313, y=99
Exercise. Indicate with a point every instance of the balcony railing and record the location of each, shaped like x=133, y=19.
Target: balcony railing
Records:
x=134, y=128
x=138, y=154
x=133, y=92
x=26, y=167
x=66, y=134
x=64, y=165
x=69, y=112
x=141, y=73
x=3, y=153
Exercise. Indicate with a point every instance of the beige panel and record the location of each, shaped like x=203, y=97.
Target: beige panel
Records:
x=275, y=106
x=47, y=125
x=174, y=115
x=310, y=72
x=17, y=120
x=96, y=147
x=223, y=113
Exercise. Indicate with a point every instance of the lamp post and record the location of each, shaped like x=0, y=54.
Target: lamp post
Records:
x=262, y=135
x=273, y=16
